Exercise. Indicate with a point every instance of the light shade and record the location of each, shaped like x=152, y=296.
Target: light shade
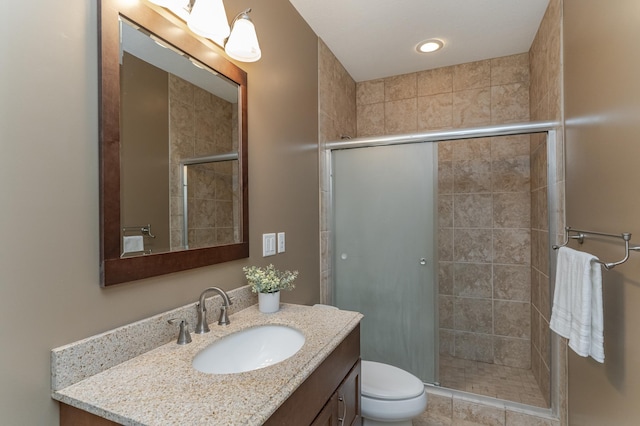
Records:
x=209, y=19
x=243, y=41
x=165, y=3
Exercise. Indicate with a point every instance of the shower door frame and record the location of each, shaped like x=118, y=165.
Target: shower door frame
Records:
x=551, y=128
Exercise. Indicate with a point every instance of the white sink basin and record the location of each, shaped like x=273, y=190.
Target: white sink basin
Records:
x=249, y=349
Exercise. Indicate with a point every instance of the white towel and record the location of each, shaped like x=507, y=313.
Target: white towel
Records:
x=577, y=303
x=132, y=244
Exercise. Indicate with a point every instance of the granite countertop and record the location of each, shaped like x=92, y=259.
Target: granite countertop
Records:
x=160, y=387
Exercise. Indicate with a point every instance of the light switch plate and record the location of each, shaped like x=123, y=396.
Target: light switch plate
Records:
x=268, y=245
x=281, y=244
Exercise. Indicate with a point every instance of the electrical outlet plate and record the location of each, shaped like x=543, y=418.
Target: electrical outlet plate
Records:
x=268, y=245
x=281, y=244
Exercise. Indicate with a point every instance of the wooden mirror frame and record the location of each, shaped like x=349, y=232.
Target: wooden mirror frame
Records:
x=113, y=268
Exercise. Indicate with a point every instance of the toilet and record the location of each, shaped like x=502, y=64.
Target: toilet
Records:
x=390, y=396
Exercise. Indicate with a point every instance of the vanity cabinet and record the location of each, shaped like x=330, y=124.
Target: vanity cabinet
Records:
x=72, y=416
x=331, y=395
x=329, y=414
x=349, y=398
x=343, y=409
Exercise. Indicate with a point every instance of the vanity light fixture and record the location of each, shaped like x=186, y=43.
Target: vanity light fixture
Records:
x=242, y=44
x=208, y=18
x=430, y=45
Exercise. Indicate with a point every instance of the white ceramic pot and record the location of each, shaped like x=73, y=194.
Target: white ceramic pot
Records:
x=269, y=302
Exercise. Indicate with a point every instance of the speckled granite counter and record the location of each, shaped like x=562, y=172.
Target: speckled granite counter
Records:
x=160, y=387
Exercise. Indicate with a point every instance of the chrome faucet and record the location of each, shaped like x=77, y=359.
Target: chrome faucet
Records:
x=202, y=326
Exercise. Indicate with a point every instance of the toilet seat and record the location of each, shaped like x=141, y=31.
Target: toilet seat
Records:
x=386, y=382
x=392, y=411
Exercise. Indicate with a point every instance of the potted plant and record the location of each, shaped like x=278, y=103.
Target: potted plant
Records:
x=267, y=282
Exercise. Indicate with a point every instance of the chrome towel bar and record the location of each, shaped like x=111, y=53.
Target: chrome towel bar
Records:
x=580, y=235
x=143, y=230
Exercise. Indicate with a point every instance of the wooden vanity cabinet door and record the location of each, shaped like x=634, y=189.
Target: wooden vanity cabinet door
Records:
x=72, y=416
x=309, y=400
x=349, y=398
x=329, y=414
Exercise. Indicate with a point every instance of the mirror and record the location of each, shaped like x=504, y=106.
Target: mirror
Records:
x=173, y=147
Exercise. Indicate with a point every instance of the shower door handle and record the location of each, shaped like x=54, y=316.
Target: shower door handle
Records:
x=423, y=261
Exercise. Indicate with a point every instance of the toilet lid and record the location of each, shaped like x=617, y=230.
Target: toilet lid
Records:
x=388, y=382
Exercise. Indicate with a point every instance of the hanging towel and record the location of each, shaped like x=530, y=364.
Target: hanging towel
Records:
x=577, y=303
x=132, y=244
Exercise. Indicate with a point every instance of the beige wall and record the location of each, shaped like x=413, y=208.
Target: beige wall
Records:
x=49, y=277
x=602, y=104
x=145, y=162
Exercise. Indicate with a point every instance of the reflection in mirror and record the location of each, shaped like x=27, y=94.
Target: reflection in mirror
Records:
x=173, y=138
x=209, y=202
x=175, y=112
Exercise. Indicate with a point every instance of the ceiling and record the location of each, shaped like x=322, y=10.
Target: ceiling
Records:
x=377, y=38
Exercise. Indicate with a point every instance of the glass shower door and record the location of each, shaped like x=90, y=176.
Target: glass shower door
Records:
x=384, y=245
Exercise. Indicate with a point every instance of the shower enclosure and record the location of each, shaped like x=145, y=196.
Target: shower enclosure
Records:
x=435, y=240
x=384, y=246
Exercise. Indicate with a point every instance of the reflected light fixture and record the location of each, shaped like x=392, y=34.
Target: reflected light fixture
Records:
x=168, y=3
x=430, y=45
x=208, y=18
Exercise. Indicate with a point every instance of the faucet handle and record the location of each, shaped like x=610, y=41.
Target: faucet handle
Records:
x=224, y=317
x=183, y=335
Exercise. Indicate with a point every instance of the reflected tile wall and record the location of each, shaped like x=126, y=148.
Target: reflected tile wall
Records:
x=202, y=124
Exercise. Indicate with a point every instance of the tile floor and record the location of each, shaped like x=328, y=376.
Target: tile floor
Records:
x=498, y=381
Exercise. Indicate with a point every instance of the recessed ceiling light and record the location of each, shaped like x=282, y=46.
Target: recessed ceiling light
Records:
x=430, y=45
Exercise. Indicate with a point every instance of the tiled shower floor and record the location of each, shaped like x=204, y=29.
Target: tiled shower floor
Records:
x=498, y=381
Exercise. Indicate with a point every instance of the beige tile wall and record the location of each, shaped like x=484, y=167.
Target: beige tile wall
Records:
x=545, y=104
x=337, y=109
x=510, y=89
x=444, y=410
x=484, y=198
x=466, y=95
x=484, y=250
x=202, y=124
